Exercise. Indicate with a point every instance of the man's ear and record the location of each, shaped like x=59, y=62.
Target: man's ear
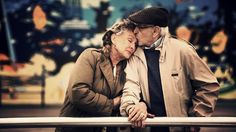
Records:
x=156, y=31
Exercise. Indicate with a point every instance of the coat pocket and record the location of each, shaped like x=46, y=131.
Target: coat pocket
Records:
x=177, y=78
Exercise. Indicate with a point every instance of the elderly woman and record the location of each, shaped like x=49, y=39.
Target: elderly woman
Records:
x=98, y=77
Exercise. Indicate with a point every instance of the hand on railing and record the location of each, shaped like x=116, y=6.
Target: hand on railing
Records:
x=138, y=114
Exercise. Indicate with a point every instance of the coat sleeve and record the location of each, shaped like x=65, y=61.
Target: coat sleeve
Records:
x=204, y=84
x=80, y=87
x=131, y=90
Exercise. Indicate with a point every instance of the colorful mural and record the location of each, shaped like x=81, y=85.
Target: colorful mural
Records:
x=40, y=40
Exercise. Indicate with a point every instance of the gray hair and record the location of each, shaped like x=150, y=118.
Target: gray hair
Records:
x=164, y=30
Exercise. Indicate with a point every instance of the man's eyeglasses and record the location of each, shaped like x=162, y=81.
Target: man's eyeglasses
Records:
x=142, y=26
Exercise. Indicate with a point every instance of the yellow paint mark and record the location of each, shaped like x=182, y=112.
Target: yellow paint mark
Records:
x=39, y=18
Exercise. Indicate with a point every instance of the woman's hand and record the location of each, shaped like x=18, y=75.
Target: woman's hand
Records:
x=116, y=102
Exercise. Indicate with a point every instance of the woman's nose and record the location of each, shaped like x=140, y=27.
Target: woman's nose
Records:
x=132, y=46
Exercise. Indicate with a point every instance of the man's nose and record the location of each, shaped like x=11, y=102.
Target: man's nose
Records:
x=135, y=30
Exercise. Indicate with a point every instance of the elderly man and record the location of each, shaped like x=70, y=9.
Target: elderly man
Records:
x=165, y=76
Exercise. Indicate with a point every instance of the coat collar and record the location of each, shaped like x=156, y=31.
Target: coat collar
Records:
x=162, y=48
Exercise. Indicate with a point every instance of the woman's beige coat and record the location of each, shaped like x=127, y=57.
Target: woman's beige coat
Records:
x=91, y=88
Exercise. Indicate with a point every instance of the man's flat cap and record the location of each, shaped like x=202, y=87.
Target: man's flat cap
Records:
x=157, y=16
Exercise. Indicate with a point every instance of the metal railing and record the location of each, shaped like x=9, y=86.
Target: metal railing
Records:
x=32, y=122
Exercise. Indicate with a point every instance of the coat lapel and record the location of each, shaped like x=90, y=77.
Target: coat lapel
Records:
x=118, y=84
x=106, y=69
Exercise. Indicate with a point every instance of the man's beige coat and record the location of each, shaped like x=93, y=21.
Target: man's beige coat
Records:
x=189, y=87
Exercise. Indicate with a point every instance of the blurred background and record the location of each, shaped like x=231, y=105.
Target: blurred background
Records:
x=41, y=39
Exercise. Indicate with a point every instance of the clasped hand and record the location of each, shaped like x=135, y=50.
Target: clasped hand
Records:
x=138, y=114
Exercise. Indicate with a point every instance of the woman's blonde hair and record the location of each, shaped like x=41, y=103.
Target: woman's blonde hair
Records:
x=117, y=29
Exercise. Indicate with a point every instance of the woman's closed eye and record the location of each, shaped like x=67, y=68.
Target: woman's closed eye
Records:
x=131, y=40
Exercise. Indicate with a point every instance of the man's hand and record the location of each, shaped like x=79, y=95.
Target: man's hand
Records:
x=138, y=114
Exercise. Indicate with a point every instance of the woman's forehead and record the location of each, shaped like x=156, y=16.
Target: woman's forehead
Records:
x=128, y=33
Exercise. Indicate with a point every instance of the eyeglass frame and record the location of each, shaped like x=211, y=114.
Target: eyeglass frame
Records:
x=140, y=26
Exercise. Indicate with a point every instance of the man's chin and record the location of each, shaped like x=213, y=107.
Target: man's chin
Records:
x=141, y=44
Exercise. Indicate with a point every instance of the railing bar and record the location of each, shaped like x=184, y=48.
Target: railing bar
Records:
x=31, y=122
